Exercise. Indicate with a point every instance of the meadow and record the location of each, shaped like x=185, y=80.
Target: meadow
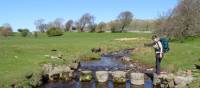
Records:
x=22, y=55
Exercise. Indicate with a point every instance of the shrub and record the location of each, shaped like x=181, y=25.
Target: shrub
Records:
x=54, y=32
x=35, y=34
x=24, y=32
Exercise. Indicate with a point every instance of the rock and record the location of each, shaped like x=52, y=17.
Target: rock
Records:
x=125, y=58
x=54, y=57
x=137, y=78
x=102, y=76
x=164, y=80
x=74, y=65
x=189, y=72
x=65, y=76
x=60, y=56
x=150, y=69
x=61, y=71
x=183, y=80
x=197, y=66
x=29, y=75
x=86, y=76
x=181, y=85
x=96, y=50
x=119, y=76
x=47, y=68
x=35, y=80
x=171, y=84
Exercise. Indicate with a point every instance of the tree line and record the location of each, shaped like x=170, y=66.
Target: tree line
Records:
x=86, y=23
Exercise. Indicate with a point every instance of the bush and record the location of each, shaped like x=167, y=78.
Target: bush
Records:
x=24, y=32
x=35, y=34
x=54, y=32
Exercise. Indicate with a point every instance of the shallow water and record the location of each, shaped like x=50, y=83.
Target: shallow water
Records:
x=105, y=63
x=108, y=62
x=93, y=84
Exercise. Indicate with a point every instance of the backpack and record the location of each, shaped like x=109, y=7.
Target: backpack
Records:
x=165, y=44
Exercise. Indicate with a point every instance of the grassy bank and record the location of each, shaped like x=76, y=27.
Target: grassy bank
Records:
x=20, y=56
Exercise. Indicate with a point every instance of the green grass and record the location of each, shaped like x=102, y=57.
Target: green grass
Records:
x=30, y=51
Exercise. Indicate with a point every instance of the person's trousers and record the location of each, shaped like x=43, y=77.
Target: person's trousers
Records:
x=158, y=61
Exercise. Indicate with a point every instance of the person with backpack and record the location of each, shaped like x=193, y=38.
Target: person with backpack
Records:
x=161, y=46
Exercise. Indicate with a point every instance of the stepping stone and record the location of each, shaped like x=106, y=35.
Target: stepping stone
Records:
x=137, y=78
x=85, y=76
x=119, y=76
x=102, y=76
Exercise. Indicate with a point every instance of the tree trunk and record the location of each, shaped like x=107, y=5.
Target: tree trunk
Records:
x=123, y=28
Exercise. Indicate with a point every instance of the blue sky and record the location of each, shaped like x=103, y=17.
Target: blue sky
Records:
x=23, y=13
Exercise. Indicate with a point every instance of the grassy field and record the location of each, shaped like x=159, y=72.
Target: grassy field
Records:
x=19, y=55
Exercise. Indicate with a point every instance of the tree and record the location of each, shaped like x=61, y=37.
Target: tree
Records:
x=24, y=32
x=6, y=30
x=114, y=26
x=40, y=25
x=78, y=26
x=182, y=21
x=125, y=19
x=100, y=27
x=92, y=27
x=58, y=23
x=68, y=25
x=85, y=20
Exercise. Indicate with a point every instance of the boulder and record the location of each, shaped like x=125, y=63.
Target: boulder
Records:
x=164, y=80
x=74, y=65
x=183, y=80
x=47, y=68
x=126, y=58
x=119, y=76
x=85, y=76
x=137, y=78
x=61, y=71
x=102, y=76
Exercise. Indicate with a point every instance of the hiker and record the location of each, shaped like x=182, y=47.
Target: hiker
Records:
x=159, y=52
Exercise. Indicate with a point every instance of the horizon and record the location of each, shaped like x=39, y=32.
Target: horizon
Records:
x=23, y=13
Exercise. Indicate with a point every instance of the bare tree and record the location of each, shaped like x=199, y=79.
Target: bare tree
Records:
x=100, y=27
x=6, y=30
x=68, y=25
x=40, y=25
x=58, y=23
x=92, y=27
x=125, y=19
x=78, y=26
x=85, y=20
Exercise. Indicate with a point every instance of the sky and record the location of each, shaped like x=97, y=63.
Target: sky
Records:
x=23, y=13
